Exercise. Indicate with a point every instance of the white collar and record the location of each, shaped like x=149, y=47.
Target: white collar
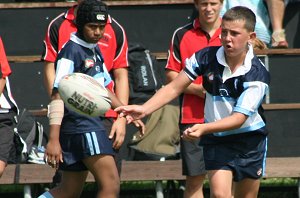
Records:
x=81, y=42
x=241, y=70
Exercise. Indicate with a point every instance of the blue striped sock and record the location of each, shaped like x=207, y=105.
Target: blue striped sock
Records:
x=46, y=195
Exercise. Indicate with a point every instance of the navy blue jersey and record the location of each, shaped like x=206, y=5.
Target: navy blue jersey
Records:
x=79, y=56
x=242, y=91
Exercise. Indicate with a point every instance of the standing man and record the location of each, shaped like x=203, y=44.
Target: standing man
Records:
x=8, y=113
x=113, y=46
x=204, y=31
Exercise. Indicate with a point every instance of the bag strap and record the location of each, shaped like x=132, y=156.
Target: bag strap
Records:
x=24, y=150
x=40, y=130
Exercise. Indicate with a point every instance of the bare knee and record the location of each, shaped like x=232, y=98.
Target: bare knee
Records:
x=64, y=192
x=194, y=186
x=221, y=193
x=2, y=168
x=110, y=186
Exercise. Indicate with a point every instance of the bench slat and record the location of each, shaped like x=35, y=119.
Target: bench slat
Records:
x=8, y=176
x=151, y=170
x=283, y=167
x=276, y=167
x=164, y=55
x=35, y=173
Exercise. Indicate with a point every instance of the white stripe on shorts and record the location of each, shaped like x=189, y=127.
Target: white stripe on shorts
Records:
x=93, y=143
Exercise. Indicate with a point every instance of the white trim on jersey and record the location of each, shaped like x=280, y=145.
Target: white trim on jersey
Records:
x=64, y=67
x=4, y=103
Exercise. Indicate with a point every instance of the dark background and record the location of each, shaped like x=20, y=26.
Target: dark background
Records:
x=23, y=30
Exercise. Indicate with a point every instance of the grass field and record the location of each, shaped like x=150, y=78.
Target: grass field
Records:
x=270, y=188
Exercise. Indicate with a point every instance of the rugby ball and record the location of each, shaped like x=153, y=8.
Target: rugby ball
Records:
x=83, y=94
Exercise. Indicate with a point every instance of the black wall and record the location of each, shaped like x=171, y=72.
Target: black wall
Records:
x=23, y=30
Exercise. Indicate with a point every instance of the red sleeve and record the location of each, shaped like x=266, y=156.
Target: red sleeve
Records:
x=51, y=41
x=114, y=46
x=5, y=68
x=174, y=62
x=121, y=60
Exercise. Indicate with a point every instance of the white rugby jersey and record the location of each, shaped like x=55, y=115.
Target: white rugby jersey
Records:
x=242, y=91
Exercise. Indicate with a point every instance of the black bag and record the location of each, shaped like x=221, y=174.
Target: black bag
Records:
x=28, y=134
x=144, y=75
x=161, y=138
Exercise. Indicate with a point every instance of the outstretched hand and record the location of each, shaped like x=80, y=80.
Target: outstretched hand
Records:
x=131, y=112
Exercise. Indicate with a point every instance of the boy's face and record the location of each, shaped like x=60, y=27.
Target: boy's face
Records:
x=209, y=10
x=92, y=32
x=235, y=37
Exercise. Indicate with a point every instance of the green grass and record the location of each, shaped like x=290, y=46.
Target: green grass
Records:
x=279, y=182
x=266, y=190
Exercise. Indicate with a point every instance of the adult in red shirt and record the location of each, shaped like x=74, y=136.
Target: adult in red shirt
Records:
x=204, y=31
x=8, y=113
x=114, y=48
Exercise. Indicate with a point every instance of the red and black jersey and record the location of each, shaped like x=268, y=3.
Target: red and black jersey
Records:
x=5, y=68
x=113, y=44
x=187, y=40
x=7, y=102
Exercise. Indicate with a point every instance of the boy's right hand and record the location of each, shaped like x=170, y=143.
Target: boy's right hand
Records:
x=53, y=153
x=131, y=112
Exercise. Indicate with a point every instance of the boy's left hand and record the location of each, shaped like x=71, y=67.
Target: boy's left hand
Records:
x=192, y=133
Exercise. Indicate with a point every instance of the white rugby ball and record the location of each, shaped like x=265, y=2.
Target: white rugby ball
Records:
x=83, y=94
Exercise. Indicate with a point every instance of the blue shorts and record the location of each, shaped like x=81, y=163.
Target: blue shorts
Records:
x=192, y=155
x=245, y=156
x=77, y=147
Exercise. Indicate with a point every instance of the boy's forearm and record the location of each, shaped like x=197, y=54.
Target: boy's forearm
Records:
x=235, y=121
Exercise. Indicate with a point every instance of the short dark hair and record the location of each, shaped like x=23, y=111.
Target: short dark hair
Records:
x=241, y=13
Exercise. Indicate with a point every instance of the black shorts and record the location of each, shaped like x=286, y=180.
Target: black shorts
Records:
x=7, y=148
x=77, y=147
x=245, y=156
x=192, y=155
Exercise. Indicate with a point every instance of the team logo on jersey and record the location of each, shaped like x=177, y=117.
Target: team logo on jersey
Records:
x=210, y=76
x=88, y=63
x=97, y=68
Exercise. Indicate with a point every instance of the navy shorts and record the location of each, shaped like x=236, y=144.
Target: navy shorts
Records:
x=245, y=156
x=77, y=147
x=192, y=155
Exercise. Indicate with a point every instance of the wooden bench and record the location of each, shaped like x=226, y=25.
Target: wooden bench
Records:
x=31, y=175
x=163, y=55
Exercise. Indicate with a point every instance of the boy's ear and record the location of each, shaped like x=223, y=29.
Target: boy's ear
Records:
x=252, y=35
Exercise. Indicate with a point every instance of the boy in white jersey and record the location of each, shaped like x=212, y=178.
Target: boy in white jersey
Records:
x=234, y=133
